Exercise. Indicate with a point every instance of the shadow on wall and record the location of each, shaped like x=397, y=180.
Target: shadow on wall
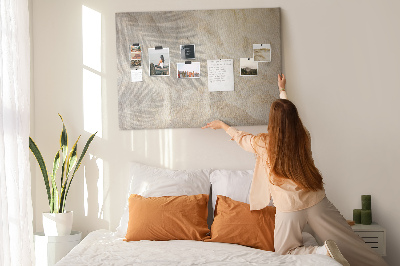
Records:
x=87, y=197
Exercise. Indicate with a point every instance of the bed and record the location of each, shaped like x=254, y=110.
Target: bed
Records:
x=175, y=218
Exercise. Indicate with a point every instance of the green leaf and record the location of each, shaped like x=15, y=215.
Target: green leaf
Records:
x=63, y=196
x=71, y=161
x=35, y=150
x=54, y=192
x=63, y=192
x=55, y=200
x=63, y=147
x=78, y=164
x=64, y=136
x=56, y=164
x=72, y=157
x=52, y=202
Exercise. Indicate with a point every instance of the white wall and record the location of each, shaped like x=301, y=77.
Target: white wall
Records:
x=342, y=62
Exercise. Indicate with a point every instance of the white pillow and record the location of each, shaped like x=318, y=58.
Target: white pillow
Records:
x=234, y=184
x=149, y=181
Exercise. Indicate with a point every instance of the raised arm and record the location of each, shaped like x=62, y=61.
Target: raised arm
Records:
x=243, y=139
x=246, y=140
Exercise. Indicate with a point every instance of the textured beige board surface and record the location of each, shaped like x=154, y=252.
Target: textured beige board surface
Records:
x=168, y=102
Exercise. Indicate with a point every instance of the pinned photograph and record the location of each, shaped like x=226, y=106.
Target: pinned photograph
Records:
x=248, y=67
x=262, y=52
x=136, y=49
x=187, y=51
x=136, y=53
x=159, y=61
x=136, y=63
x=188, y=71
x=136, y=56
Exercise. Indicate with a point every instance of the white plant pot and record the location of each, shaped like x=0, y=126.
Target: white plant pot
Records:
x=57, y=224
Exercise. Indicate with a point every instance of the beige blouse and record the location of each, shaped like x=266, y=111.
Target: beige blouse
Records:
x=288, y=197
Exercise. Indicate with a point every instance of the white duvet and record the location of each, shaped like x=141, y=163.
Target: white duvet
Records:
x=103, y=247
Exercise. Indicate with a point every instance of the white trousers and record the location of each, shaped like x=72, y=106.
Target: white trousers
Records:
x=327, y=223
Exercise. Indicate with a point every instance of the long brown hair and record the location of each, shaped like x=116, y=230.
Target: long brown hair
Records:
x=289, y=147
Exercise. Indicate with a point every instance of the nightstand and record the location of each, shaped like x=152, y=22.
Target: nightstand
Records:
x=50, y=249
x=373, y=235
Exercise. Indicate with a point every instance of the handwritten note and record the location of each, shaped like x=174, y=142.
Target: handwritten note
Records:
x=220, y=75
x=136, y=75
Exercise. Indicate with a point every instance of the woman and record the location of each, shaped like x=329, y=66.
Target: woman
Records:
x=285, y=170
x=161, y=62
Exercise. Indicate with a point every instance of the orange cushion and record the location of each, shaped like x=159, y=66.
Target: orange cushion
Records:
x=167, y=218
x=235, y=223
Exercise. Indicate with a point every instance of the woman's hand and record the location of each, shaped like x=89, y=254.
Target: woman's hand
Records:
x=217, y=124
x=281, y=82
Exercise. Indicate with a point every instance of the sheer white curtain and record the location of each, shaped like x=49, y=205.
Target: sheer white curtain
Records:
x=16, y=236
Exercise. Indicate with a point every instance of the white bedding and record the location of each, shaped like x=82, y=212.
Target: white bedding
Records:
x=103, y=247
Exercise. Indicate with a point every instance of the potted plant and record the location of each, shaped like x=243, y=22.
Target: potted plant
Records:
x=58, y=222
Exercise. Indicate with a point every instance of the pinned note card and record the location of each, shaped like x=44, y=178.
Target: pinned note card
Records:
x=220, y=75
x=136, y=74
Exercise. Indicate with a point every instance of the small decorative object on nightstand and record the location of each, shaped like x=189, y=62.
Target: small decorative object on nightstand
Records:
x=50, y=249
x=364, y=215
x=373, y=235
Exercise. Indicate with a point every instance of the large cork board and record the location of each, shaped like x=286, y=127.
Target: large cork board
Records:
x=169, y=102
